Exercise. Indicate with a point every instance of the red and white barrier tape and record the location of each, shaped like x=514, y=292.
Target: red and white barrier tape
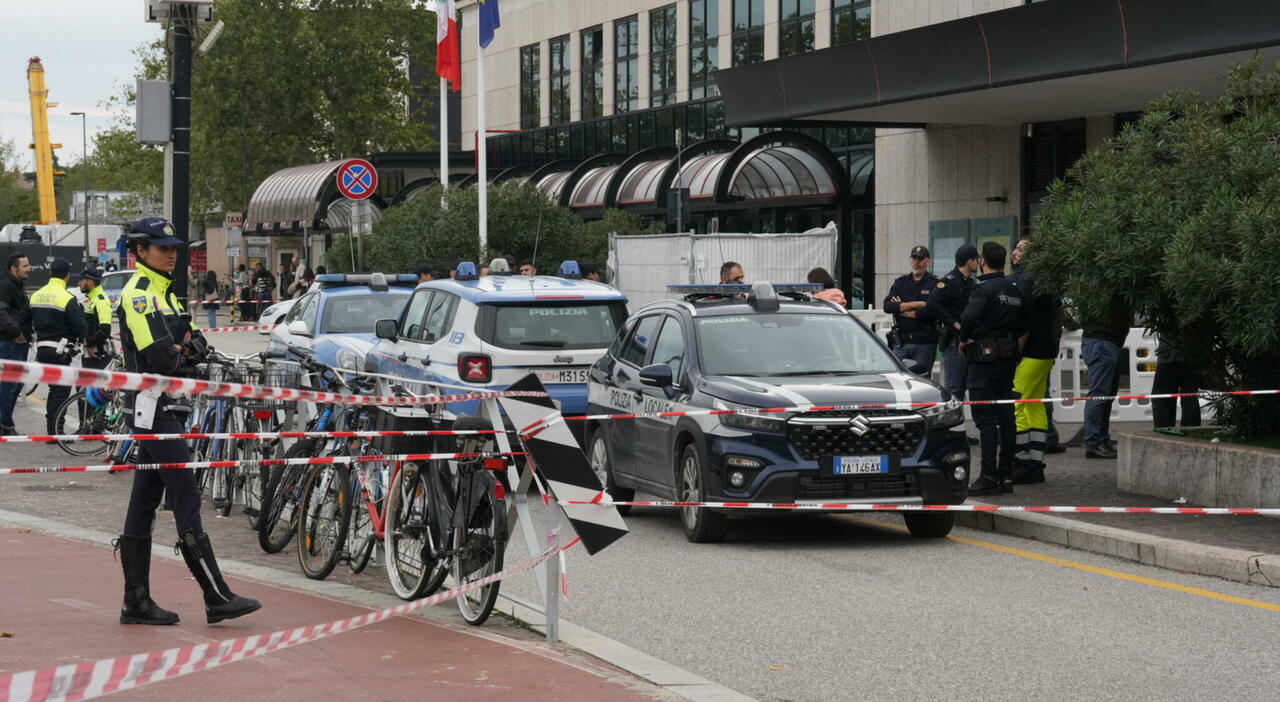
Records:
x=83, y=681
x=234, y=302
x=841, y=507
x=236, y=328
x=254, y=463
x=46, y=374
x=262, y=435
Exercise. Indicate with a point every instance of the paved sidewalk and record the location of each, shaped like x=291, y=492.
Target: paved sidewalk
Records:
x=62, y=597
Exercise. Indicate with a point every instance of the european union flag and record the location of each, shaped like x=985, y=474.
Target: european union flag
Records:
x=489, y=21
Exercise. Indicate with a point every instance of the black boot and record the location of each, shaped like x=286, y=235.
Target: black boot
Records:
x=135, y=560
x=219, y=601
x=986, y=485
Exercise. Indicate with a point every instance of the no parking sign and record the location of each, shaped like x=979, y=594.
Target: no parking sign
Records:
x=357, y=179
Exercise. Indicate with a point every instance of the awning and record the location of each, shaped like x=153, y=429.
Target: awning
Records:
x=553, y=183
x=641, y=183
x=291, y=198
x=590, y=188
x=1032, y=63
x=780, y=171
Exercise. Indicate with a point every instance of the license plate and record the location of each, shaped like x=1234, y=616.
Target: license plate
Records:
x=859, y=465
x=561, y=376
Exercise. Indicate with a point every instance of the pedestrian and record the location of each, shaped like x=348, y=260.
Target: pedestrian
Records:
x=244, y=292
x=993, y=332
x=424, y=273
x=1174, y=374
x=286, y=282
x=14, y=347
x=97, y=311
x=263, y=285
x=111, y=266
x=209, y=291
x=156, y=337
x=58, y=322
x=1102, y=349
x=914, y=338
x=528, y=269
x=1032, y=374
x=305, y=279
x=829, y=291
x=591, y=271
x=321, y=270
x=731, y=273
x=946, y=304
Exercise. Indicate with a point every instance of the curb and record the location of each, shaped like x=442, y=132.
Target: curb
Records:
x=1247, y=567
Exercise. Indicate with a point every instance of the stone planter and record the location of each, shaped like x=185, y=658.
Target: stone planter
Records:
x=1213, y=475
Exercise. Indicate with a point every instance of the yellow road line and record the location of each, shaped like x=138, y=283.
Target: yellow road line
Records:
x=1064, y=563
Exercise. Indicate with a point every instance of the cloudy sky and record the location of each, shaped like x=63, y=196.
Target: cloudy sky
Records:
x=86, y=48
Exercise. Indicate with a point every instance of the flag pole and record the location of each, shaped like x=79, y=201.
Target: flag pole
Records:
x=482, y=152
x=444, y=139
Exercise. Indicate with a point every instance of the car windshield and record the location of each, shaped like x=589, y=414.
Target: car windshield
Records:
x=356, y=314
x=559, y=325
x=113, y=283
x=789, y=344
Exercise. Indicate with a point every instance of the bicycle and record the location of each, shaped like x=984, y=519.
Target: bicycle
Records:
x=91, y=410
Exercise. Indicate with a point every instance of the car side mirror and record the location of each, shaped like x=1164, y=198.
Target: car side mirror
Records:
x=298, y=328
x=385, y=329
x=657, y=375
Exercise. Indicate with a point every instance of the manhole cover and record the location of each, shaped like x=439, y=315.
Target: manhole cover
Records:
x=58, y=488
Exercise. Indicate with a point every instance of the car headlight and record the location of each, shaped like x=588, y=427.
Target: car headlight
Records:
x=348, y=359
x=946, y=414
x=775, y=423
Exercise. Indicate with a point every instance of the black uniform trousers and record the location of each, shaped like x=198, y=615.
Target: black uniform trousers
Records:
x=150, y=486
x=1171, y=378
x=96, y=363
x=58, y=394
x=997, y=428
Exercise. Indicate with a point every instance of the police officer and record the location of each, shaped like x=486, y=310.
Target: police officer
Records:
x=58, y=321
x=915, y=338
x=1032, y=375
x=97, y=309
x=992, y=334
x=157, y=336
x=946, y=304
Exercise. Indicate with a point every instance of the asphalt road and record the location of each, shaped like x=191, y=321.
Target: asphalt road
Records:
x=825, y=607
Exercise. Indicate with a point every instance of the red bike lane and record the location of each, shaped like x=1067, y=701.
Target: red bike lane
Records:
x=60, y=599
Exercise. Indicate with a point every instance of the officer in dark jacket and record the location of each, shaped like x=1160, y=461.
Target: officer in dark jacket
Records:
x=14, y=347
x=993, y=331
x=97, y=310
x=158, y=336
x=915, y=338
x=946, y=304
x=58, y=321
x=1032, y=375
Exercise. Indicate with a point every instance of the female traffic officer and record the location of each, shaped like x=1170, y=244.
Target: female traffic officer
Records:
x=157, y=337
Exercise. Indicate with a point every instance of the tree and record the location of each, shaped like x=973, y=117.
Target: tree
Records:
x=17, y=202
x=1178, y=220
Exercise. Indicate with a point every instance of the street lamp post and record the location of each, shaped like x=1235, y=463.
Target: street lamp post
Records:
x=84, y=165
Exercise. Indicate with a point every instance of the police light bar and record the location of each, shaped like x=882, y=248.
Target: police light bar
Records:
x=379, y=280
x=465, y=270
x=570, y=269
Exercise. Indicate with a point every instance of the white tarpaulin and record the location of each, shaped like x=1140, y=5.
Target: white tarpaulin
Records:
x=643, y=266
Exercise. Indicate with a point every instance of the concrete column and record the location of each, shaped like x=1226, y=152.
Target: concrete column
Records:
x=544, y=82
x=726, y=33
x=644, y=86
x=771, y=16
x=822, y=25
x=682, y=51
x=608, y=53
x=1099, y=128
x=575, y=76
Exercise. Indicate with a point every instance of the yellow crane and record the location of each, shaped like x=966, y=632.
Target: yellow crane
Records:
x=40, y=142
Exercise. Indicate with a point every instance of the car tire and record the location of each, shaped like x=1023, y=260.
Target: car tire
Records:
x=701, y=525
x=929, y=525
x=601, y=459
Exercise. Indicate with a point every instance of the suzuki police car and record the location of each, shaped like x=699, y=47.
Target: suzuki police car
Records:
x=761, y=346
x=484, y=333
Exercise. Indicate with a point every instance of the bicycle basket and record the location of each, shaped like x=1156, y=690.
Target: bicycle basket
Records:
x=278, y=376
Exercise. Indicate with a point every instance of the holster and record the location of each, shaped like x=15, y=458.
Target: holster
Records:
x=991, y=349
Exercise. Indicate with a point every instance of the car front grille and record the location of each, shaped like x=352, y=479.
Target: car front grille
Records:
x=813, y=442
x=829, y=487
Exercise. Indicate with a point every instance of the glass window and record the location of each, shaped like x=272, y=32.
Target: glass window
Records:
x=530, y=95
x=439, y=314
x=626, y=79
x=355, y=314
x=560, y=69
x=662, y=56
x=782, y=344
x=670, y=347
x=637, y=347
x=570, y=325
x=850, y=21
x=704, y=54
x=304, y=309
x=592, y=72
x=748, y=32
x=415, y=313
x=795, y=30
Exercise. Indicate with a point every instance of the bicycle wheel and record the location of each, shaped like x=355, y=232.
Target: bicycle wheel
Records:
x=280, y=500
x=253, y=479
x=412, y=566
x=479, y=554
x=323, y=519
x=77, y=416
x=363, y=536
x=228, y=478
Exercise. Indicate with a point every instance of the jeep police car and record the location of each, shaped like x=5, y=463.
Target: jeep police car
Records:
x=759, y=346
x=484, y=333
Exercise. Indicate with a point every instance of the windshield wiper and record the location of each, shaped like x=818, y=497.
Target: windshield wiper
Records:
x=549, y=343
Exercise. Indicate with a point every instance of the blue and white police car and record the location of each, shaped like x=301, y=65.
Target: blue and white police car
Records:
x=334, y=321
x=484, y=333
x=762, y=346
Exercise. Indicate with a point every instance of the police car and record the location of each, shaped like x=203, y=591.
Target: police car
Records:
x=484, y=333
x=334, y=321
x=758, y=346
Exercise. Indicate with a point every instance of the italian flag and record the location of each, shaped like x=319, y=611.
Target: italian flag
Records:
x=448, y=63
